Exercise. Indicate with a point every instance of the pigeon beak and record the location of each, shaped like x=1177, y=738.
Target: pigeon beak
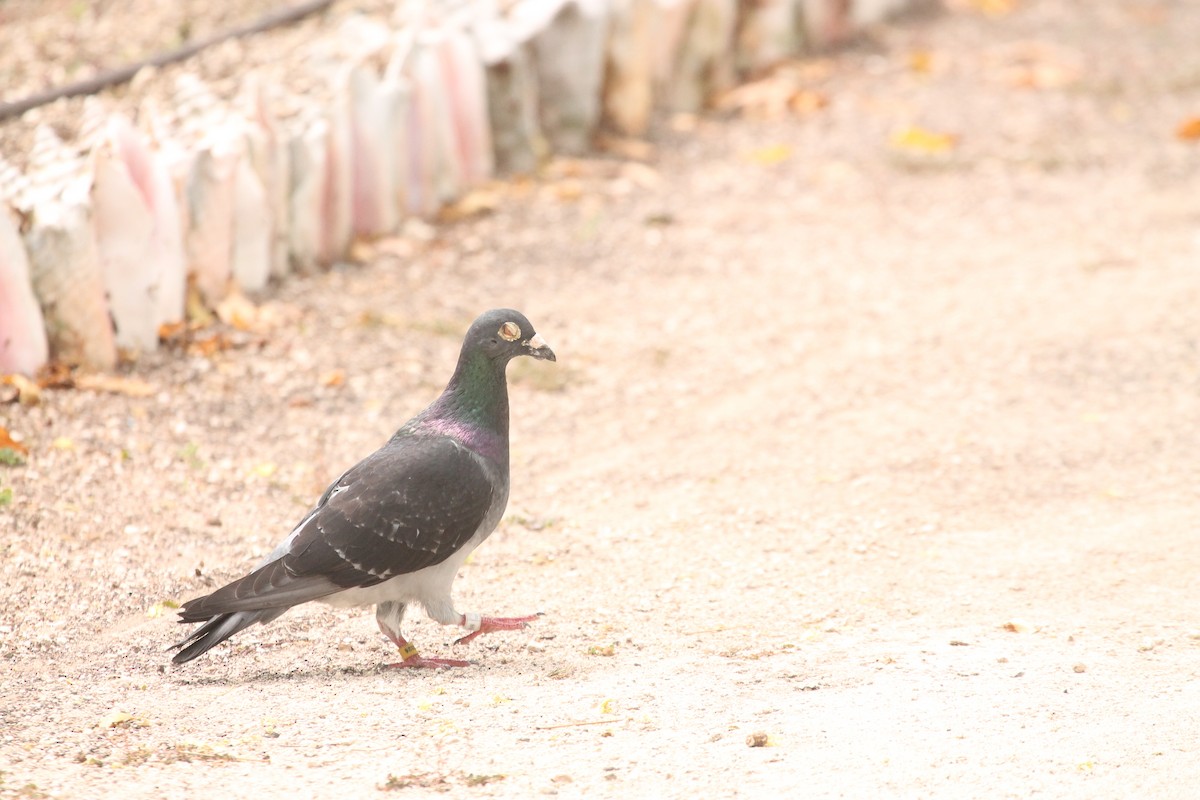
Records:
x=539, y=349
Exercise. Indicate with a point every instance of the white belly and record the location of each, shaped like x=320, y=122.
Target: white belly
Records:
x=425, y=586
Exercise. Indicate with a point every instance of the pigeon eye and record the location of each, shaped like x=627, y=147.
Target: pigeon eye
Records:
x=509, y=331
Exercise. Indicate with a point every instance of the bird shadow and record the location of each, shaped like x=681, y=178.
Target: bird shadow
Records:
x=315, y=672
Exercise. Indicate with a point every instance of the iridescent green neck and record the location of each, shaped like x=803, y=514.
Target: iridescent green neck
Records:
x=473, y=409
x=477, y=393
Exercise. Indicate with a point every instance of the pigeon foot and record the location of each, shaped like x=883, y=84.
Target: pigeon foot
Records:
x=493, y=624
x=413, y=659
x=417, y=661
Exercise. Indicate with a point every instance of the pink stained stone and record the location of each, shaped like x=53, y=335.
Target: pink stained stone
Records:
x=23, y=344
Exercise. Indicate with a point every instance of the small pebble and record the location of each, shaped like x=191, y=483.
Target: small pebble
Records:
x=1080, y=668
x=757, y=740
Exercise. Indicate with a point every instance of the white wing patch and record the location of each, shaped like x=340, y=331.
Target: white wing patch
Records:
x=384, y=574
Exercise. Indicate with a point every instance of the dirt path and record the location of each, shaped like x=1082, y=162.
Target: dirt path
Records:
x=828, y=416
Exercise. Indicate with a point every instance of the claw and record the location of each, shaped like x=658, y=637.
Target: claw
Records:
x=493, y=624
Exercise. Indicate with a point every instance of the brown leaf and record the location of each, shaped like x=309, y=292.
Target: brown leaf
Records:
x=28, y=392
x=362, y=251
x=208, y=346
x=7, y=442
x=919, y=140
x=1034, y=64
x=632, y=149
x=474, y=203
x=55, y=375
x=237, y=311
x=170, y=332
x=993, y=8
x=770, y=155
x=807, y=101
x=121, y=719
x=568, y=189
x=334, y=378
x=196, y=310
x=1189, y=130
x=921, y=61
x=115, y=384
x=782, y=91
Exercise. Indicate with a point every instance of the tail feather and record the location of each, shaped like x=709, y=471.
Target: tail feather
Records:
x=270, y=587
x=218, y=629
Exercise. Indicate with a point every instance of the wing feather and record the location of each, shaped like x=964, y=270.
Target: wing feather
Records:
x=408, y=506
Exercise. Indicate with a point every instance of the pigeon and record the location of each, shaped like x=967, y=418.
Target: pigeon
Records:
x=394, y=529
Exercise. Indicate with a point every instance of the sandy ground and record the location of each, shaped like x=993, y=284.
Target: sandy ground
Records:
x=887, y=455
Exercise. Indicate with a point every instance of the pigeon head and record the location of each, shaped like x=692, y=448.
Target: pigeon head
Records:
x=474, y=406
x=502, y=334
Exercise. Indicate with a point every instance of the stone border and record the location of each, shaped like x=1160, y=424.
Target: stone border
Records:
x=100, y=239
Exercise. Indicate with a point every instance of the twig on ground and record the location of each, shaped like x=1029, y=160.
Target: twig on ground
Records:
x=112, y=77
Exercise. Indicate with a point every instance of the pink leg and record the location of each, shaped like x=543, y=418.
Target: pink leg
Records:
x=414, y=659
x=493, y=624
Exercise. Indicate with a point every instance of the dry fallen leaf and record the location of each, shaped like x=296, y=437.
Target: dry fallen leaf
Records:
x=265, y=469
x=210, y=345
x=196, y=310
x=162, y=608
x=474, y=203
x=1034, y=64
x=807, y=101
x=8, y=443
x=116, y=384
x=993, y=8
x=568, y=189
x=1044, y=76
x=1189, y=130
x=171, y=331
x=334, y=378
x=774, y=96
x=237, y=311
x=921, y=61
x=55, y=375
x=362, y=251
x=633, y=149
x=120, y=719
x=771, y=154
x=920, y=140
x=1018, y=626
x=28, y=392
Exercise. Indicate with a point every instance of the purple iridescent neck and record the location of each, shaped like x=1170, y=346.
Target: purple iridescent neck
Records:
x=489, y=444
x=473, y=409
